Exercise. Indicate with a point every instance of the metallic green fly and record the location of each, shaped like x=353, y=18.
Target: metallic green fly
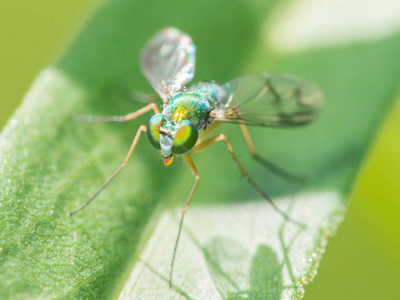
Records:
x=190, y=114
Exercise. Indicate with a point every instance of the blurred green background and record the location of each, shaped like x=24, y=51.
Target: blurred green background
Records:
x=361, y=262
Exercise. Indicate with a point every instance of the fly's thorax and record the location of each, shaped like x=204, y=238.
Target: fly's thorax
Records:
x=190, y=106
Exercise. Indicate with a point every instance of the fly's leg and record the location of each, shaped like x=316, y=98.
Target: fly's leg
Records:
x=208, y=131
x=126, y=118
x=123, y=165
x=250, y=145
x=189, y=162
x=222, y=137
x=267, y=164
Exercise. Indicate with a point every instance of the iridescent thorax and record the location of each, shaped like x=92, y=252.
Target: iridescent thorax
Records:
x=184, y=115
x=188, y=106
x=194, y=104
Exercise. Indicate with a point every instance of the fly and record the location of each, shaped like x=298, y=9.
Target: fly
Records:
x=189, y=115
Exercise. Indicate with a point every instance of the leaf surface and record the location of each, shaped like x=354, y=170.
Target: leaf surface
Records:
x=233, y=244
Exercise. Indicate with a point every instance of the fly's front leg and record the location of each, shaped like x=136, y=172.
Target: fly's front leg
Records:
x=189, y=162
x=123, y=165
x=267, y=164
x=125, y=118
x=222, y=137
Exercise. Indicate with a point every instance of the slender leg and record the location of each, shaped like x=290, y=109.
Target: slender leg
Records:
x=123, y=165
x=267, y=164
x=222, y=137
x=208, y=131
x=192, y=167
x=126, y=118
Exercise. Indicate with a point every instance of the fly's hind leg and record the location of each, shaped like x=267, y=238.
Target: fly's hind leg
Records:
x=222, y=137
x=125, y=118
x=192, y=167
x=123, y=165
x=267, y=164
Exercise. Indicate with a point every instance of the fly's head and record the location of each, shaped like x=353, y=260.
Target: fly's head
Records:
x=171, y=138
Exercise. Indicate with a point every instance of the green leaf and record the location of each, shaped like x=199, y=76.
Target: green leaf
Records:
x=233, y=244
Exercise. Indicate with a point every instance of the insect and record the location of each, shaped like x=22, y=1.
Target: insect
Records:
x=190, y=114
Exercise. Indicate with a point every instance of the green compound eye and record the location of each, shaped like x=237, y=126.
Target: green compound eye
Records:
x=185, y=138
x=153, y=127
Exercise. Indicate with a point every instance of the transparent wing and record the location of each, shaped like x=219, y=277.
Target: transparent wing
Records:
x=168, y=61
x=275, y=100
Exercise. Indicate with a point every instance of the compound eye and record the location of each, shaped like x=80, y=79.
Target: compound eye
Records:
x=153, y=130
x=185, y=138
